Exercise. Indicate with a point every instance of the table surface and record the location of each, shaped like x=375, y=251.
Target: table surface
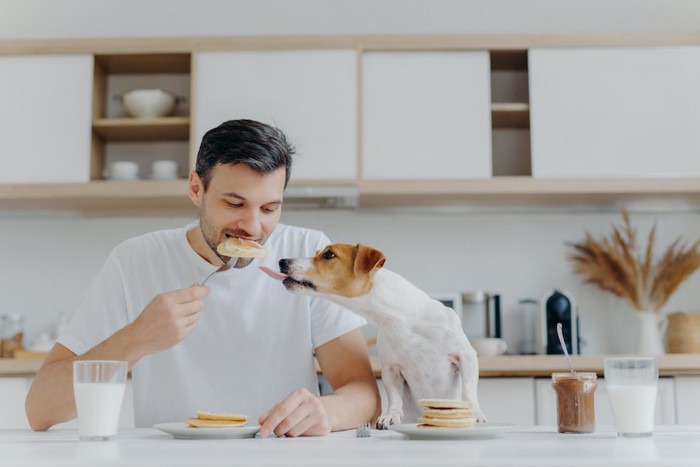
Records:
x=522, y=446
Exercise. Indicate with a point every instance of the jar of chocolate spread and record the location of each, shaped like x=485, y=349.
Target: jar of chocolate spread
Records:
x=575, y=401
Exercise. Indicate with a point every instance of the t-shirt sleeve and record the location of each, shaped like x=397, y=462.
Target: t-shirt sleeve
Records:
x=329, y=320
x=101, y=313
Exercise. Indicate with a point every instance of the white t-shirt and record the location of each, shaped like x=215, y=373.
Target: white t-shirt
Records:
x=254, y=341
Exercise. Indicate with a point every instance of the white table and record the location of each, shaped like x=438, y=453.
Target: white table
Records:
x=522, y=446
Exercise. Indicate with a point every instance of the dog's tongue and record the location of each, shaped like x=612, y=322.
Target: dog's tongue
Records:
x=272, y=273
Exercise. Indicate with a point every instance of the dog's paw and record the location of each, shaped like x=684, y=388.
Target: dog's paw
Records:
x=388, y=419
x=479, y=415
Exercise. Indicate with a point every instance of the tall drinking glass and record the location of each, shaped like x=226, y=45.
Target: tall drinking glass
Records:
x=632, y=386
x=98, y=386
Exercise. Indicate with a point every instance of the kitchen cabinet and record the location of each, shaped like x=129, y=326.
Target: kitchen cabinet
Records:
x=116, y=136
x=546, y=402
x=688, y=400
x=340, y=97
x=310, y=94
x=503, y=400
x=508, y=400
x=14, y=392
x=426, y=115
x=615, y=112
x=45, y=118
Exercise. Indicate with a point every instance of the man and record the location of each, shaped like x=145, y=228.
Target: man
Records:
x=242, y=343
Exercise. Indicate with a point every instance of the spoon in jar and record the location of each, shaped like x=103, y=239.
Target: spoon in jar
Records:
x=563, y=346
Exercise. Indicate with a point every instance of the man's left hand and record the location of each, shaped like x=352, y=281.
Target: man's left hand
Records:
x=299, y=414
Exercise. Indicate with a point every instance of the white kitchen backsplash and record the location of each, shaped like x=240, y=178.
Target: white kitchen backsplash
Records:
x=48, y=262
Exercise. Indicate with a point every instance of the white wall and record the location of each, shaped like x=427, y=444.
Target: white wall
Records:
x=47, y=261
x=31, y=19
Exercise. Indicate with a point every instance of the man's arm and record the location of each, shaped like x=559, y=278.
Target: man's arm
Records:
x=345, y=364
x=165, y=321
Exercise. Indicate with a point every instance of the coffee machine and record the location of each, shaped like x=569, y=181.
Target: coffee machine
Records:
x=558, y=306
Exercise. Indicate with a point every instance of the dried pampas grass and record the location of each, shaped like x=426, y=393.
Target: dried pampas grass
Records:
x=615, y=265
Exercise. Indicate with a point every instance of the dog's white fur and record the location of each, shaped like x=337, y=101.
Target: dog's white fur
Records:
x=424, y=352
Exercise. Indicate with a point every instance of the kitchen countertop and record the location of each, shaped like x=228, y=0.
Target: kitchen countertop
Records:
x=489, y=367
x=523, y=446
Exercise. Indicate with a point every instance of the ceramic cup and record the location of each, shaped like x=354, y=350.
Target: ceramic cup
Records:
x=98, y=387
x=122, y=170
x=489, y=346
x=164, y=170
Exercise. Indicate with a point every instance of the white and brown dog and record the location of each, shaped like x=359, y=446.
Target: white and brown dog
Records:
x=424, y=352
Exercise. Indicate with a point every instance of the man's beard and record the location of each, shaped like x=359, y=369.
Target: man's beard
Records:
x=211, y=237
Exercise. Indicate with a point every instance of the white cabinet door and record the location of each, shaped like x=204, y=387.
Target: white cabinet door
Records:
x=426, y=115
x=45, y=118
x=13, y=391
x=311, y=95
x=503, y=400
x=508, y=400
x=547, y=403
x=688, y=399
x=615, y=112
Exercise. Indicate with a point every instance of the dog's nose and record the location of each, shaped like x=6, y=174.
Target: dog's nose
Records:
x=284, y=266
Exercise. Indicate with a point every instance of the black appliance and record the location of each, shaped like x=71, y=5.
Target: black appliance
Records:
x=559, y=307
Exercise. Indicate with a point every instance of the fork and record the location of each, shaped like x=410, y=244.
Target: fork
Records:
x=363, y=430
x=228, y=265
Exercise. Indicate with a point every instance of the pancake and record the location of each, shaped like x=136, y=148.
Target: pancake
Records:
x=444, y=404
x=201, y=423
x=446, y=422
x=447, y=413
x=202, y=415
x=235, y=247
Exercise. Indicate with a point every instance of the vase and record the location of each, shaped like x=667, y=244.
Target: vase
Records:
x=650, y=339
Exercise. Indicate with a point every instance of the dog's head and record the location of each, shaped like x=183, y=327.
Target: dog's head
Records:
x=338, y=269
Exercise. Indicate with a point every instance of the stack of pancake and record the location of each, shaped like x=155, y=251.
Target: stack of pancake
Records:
x=217, y=420
x=445, y=413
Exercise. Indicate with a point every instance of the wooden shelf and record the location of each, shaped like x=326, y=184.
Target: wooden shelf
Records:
x=166, y=197
x=137, y=129
x=508, y=60
x=510, y=115
x=525, y=191
x=99, y=196
x=147, y=63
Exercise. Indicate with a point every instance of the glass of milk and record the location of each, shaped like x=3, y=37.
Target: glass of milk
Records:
x=98, y=386
x=632, y=386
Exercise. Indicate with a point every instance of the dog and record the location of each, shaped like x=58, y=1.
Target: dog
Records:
x=423, y=350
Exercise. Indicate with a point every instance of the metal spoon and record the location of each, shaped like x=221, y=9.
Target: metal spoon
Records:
x=563, y=346
x=228, y=265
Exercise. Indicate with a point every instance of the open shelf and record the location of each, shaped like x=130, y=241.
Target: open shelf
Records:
x=525, y=191
x=136, y=129
x=148, y=63
x=148, y=196
x=510, y=115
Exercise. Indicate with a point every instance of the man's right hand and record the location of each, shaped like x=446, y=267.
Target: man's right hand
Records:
x=168, y=319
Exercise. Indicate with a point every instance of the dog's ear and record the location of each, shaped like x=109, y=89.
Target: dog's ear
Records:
x=367, y=259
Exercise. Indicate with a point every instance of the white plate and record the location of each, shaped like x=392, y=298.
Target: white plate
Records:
x=181, y=430
x=479, y=431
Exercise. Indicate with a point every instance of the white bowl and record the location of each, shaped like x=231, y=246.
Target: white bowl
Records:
x=148, y=103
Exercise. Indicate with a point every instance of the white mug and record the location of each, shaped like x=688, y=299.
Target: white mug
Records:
x=122, y=170
x=164, y=170
x=489, y=346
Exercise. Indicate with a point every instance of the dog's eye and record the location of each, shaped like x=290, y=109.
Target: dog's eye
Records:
x=328, y=255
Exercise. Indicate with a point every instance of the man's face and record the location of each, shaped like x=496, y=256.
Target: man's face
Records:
x=240, y=202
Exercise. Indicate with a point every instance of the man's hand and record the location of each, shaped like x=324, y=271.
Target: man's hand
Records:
x=168, y=318
x=299, y=414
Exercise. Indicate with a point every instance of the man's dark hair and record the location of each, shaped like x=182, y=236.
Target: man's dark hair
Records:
x=261, y=147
